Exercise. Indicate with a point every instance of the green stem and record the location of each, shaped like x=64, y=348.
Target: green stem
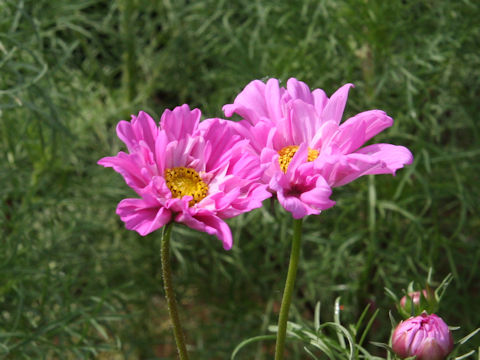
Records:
x=287, y=293
x=169, y=294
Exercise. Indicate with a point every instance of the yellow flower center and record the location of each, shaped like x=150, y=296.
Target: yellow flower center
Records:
x=287, y=153
x=185, y=181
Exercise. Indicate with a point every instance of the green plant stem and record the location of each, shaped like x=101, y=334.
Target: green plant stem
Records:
x=287, y=293
x=169, y=293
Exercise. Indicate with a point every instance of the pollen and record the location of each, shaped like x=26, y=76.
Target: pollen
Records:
x=287, y=153
x=185, y=181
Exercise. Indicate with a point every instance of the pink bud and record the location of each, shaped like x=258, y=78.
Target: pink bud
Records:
x=426, y=336
x=414, y=296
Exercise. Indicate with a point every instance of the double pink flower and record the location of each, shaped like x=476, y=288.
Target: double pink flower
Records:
x=192, y=172
x=290, y=143
x=304, y=149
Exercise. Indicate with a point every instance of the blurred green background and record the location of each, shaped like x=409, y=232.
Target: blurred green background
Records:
x=75, y=284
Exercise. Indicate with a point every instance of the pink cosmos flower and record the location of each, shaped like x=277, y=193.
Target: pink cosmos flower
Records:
x=302, y=145
x=192, y=172
x=426, y=336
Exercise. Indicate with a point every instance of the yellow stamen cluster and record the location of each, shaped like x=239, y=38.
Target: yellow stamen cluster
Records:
x=287, y=153
x=185, y=181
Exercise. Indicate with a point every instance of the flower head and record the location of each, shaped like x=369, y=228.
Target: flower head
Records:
x=192, y=172
x=302, y=145
x=426, y=336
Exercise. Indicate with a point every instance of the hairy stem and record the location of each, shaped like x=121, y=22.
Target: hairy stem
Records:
x=169, y=293
x=287, y=293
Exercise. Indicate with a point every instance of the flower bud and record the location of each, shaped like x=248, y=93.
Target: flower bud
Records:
x=414, y=297
x=420, y=300
x=426, y=336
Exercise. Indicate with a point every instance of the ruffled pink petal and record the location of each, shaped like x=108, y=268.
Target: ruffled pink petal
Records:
x=273, y=96
x=307, y=197
x=304, y=122
x=336, y=104
x=207, y=222
x=129, y=167
x=245, y=166
x=282, y=135
x=299, y=90
x=223, y=200
x=249, y=201
x=354, y=132
x=127, y=135
x=349, y=137
x=235, y=200
x=250, y=103
x=322, y=137
x=161, y=144
x=393, y=157
x=339, y=170
x=219, y=228
x=224, y=142
x=258, y=102
x=179, y=153
x=319, y=196
x=180, y=122
x=139, y=128
x=177, y=205
x=258, y=135
x=294, y=205
x=143, y=215
x=376, y=121
x=320, y=99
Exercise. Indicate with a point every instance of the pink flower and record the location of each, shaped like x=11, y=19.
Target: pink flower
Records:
x=302, y=145
x=426, y=336
x=192, y=172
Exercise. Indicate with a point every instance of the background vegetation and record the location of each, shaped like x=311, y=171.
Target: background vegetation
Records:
x=75, y=284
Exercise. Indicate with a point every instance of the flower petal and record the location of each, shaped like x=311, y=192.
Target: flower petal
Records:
x=299, y=90
x=143, y=215
x=207, y=222
x=304, y=122
x=293, y=205
x=319, y=196
x=307, y=197
x=339, y=169
x=180, y=122
x=320, y=99
x=394, y=157
x=376, y=121
x=249, y=103
x=336, y=104
x=130, y=167
x=139, y=128
x=349, y=137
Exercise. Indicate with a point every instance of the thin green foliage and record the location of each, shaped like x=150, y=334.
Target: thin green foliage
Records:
x=75, y=284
